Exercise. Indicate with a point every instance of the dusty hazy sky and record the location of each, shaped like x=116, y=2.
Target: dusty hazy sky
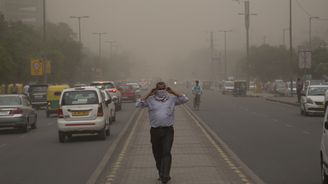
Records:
x=170, y=28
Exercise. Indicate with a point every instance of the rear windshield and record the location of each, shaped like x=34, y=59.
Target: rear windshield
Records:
x=80, y=98
x=317, y=91
x=103, y=85
x=10, y=100
x=38, y=88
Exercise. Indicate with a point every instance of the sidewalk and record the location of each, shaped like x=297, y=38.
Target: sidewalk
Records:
x=280, y=99
x=197, y=158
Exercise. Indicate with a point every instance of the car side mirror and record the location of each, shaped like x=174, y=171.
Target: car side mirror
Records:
x=108, y=101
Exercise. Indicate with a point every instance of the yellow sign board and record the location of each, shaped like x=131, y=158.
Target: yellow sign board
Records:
x=36, y=67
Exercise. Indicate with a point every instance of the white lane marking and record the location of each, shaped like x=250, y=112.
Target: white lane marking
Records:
x=3, y=145
x=306, y=132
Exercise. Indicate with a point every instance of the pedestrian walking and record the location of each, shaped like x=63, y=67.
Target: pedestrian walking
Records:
x=161, y=102
x=299, y=89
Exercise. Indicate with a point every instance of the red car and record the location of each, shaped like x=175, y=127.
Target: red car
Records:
x=129, y=93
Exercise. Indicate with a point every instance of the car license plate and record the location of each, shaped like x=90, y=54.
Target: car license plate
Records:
x=80, y=113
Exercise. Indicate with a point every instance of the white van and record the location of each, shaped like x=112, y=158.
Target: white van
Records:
x=83, y=110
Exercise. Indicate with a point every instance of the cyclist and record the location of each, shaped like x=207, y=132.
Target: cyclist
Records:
x=197, y=90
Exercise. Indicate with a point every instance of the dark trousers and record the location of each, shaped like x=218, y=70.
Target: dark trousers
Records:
x=162, y=140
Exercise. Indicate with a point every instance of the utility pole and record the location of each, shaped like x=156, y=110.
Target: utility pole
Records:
x=79, y=22
x=44, y=21
x=225, y=52
x=310, y=31
x=247, y=15
x=111, y=45
x=99, y=34
x=291, y=44
x=284, y=36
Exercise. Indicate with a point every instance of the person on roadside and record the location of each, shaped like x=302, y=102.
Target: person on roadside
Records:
x=299, y=89
x=161, y=102
x=14, y=89
x=197, y=90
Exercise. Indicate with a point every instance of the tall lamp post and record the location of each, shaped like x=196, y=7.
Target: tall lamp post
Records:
x=310, y=31
x=99, y=34
x=79, y=22
x=225, y=51
x=284, y=36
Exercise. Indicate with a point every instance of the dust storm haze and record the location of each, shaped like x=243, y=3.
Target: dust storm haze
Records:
x=162, y=33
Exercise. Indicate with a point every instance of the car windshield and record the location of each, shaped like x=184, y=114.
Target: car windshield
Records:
x=134, y=86
x=80, y=98
x=125, y=87
x=229, y=84
x=10, y=100
x=38, y=89
x=317, y=91
x=103, y=85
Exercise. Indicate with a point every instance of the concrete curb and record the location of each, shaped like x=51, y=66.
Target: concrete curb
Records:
x=281, y=101
x=102, y=164
x=244, y=168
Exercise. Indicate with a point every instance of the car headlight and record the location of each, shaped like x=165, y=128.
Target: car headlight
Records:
x=309, y=100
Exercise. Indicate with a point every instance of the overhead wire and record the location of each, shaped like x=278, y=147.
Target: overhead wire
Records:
x=304, y=10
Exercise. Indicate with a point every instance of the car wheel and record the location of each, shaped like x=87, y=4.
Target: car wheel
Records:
x=102, y=134
x=324, y=177
x=25, y=128
x=61, y=137
x=108, y=131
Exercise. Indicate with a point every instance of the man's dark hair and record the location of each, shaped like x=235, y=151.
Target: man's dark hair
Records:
x=160, y=84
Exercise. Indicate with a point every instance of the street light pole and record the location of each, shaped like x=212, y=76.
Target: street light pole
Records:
x=99, y=54
x=111, y=45
x=247, y=15
x=310, y=31
x=44, y=21
x=291, y=44
x=79, y=22
x=284, y=36
x=99, y=37
x=225, y=51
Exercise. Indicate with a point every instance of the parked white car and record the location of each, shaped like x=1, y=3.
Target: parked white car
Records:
x=313, y=100
x=110, y=106
x=227, y=87
x=324, y=150
x=83, y=110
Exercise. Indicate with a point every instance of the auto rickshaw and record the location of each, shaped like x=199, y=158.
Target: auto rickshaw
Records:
x=53, y=95
x=240, y=88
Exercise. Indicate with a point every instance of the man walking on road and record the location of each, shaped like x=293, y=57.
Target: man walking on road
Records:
x=161, y=115
x=299, y=88
x=197, y=90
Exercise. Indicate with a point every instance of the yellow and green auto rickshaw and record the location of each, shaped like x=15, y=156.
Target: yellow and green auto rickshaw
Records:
x=53, y=95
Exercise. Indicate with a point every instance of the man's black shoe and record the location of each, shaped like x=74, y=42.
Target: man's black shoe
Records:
x=165, y=180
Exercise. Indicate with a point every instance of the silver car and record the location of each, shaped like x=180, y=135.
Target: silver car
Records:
x=16, y=111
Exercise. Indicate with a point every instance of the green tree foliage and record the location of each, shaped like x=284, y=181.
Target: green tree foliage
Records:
x=19, y=43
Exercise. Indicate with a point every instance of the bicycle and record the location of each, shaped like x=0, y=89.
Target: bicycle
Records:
x=197, y=101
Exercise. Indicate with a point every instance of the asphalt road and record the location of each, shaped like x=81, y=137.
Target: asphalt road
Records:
x=37, y=157
x=273, y=139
